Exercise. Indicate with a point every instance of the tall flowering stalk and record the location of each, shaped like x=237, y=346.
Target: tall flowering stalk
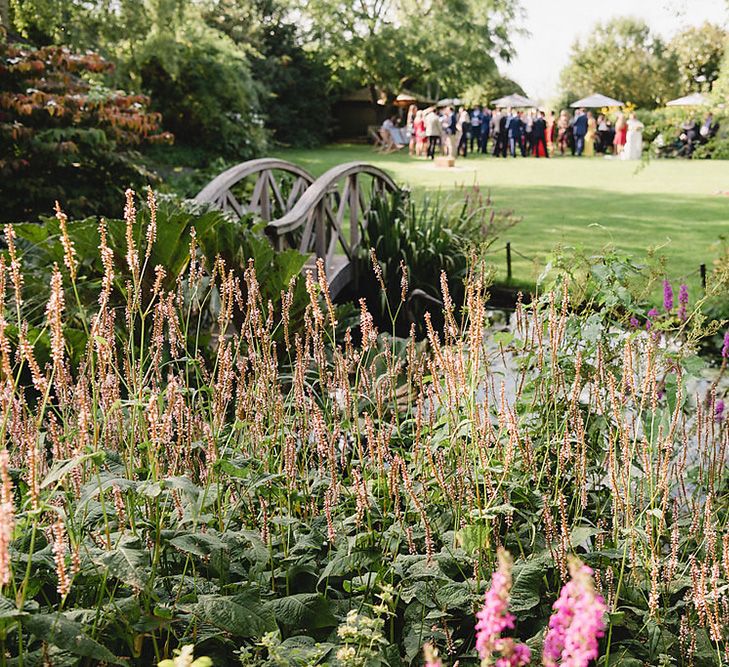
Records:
x=667, y=296
x=7, y=518
x=494, y=618
x=683, y=299
x=577, y=622
x=725, y=346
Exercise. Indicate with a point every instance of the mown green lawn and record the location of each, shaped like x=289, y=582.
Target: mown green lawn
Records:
x=674, y=206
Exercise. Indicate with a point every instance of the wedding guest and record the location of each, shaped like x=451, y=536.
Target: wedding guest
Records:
x=410, y=127
x=633, y=149
x=563, y=125
x=501, y=135
x=603, y=134
x=476, y=120
x=528, y=120
x=539, y=136
x=590, y=135
x=516, y=133
x=463, y=131
x=579, y=130
x=433, y=131
x=421, y=139
x=621, y=131
x=485, y=130
x=551, y=132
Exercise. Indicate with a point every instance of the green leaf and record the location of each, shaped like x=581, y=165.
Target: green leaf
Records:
x=198, y=544
x=527, y=585
x=306, y=611
x=242, y=615
x=126, y=562
x=59, y=631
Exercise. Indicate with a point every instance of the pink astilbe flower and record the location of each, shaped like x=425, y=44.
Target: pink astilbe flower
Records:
x=667, y=296
x=577, y=622
x=494, y=618
x=683, y=299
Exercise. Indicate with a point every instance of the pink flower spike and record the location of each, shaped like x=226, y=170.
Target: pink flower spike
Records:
x=577, y=622
x=494, y=618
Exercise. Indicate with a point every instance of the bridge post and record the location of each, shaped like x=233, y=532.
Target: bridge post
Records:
x=320, y=230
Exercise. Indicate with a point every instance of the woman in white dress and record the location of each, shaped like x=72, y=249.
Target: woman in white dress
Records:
x=634, y=141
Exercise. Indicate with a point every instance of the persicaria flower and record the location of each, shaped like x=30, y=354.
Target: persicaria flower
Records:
x=494, y=618
x=667, y=296
x=719, y=411
x=683, y=299
x=7, y=518
x=725, y=347
x=577, y=622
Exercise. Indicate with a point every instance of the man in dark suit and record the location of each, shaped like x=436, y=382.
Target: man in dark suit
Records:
x=483, y=140
x=516, y=132
x=579, y=129
x=501, y=139
x=539, y=135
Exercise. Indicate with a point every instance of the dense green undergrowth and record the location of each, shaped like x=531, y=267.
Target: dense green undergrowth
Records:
x=207, y=467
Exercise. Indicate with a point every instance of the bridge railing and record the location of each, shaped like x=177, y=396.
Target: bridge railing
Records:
x=319, y=217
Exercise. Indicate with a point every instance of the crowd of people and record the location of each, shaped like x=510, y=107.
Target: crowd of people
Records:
x=502, y=132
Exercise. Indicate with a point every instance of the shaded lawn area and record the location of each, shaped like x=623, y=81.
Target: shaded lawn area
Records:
x=671, y=206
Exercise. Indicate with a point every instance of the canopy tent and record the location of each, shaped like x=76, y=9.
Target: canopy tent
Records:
x=692, y=100
x=596, y=101
x=514, y=100
x=450, y=102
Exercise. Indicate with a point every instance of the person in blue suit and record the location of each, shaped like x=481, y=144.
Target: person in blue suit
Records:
x=579, y=130
x=483, y=140
x=515, y=127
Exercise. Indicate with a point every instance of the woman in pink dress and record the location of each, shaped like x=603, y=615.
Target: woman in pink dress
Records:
x=621, y=133
x=419, y=130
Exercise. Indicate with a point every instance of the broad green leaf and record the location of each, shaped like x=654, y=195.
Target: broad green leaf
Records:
x=126, y=562
x=242, y=615
x=526, y=590
x=59, y=631
x=199, y=544
x=308, y=611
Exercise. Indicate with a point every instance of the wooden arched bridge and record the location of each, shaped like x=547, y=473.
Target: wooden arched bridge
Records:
x=320, y=217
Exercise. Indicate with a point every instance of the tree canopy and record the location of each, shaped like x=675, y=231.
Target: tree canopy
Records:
x=622, y=59
x=698, y=52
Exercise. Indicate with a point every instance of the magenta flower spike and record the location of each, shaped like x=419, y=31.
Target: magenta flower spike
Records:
x=683, y=299
x=494, y=618
x=577, y=622
x=667, y=296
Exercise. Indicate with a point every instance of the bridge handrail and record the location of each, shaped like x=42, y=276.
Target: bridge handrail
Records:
x=316, y=192
x=225, y=180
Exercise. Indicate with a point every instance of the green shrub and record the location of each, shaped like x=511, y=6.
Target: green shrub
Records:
x=65, y=137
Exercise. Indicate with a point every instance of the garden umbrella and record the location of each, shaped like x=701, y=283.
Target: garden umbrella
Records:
x=514, y=100
x=404, y=100
x=450, y=102
x=595, y=101
x=692, y=100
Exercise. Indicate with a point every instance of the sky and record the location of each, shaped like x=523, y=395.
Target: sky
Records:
x=555, y=24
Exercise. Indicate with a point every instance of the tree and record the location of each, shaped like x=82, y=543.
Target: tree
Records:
x=698, y=51
x=438, y=46
x=65, y=137
x=624, y=60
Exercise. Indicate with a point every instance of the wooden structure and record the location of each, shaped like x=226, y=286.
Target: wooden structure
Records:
x=266, y=187
x=321, y=218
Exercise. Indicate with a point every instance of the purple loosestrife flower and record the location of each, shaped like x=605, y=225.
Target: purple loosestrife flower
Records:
x=683, y=299
x=577, y=622
x=494, y=618
x=634, y=322
x=719, y=411
x=653, y=312
x=667, y=296
x=725, y=347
